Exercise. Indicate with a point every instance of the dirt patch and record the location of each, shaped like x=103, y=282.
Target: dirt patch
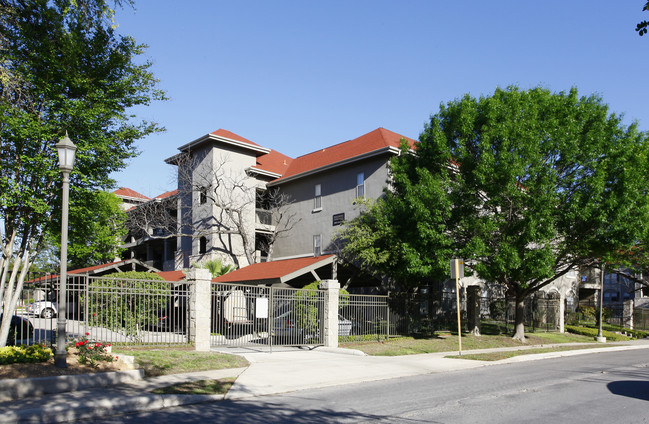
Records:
x=47, y=369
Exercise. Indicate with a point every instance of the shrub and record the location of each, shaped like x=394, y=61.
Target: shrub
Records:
x=304, y=306
x=497, y=309
x=592, y=332
x=128, y=302
x=588, y=312
x=24, y=354
x=91, y=352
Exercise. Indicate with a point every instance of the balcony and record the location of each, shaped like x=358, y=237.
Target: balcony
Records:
x=264, y=220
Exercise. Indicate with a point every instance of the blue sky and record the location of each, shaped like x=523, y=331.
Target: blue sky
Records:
x=296, y=76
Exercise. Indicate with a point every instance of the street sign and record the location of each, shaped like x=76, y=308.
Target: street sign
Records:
x=457, y=264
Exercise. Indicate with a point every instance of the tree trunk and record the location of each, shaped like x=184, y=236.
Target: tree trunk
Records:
x=519, y=319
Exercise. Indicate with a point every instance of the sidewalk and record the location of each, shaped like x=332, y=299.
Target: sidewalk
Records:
x=269, y=373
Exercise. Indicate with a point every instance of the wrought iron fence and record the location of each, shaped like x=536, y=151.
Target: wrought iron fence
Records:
x=431, y=311
x=641, y=319
x=108, y=310
x=244, y=315
x=363, y=318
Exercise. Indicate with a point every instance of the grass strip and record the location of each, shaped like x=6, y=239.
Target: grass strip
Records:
x=497, y=356
x=448, y=343
x=164, y=361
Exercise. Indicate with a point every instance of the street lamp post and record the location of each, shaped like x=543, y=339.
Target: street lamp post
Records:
x=600, y=336
x=66, y=150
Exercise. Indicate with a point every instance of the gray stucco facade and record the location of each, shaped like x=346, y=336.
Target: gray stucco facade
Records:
x=338, y=203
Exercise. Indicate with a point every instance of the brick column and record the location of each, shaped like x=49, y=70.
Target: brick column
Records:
x=330, y=324
x=200, y=306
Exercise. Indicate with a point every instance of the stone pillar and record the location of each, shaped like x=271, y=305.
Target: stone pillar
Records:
x=199, y=308
x=627, y=314
x=562, y=312
x=473, y=309
x=330, y=319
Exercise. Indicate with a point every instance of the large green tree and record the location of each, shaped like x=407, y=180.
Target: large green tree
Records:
x=97, y=228
x=62, y=68
x=525, y=185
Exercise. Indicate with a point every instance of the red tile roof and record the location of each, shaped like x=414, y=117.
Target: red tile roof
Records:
x=375, y=140
x=274, y=162
x=127, y=192
x=92, y=268
x=172, y=275
x=269, y=270
x=227, y=134
x=167, y=194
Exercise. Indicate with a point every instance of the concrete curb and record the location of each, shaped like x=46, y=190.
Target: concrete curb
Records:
x=550, y=355
x=23, y=387
x=340, y=350
x=102, y=407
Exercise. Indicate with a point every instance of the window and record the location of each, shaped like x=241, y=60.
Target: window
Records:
x=203, y=196
x=360, y=184
x=202, y=245
x=317, y=251
x=317, y=200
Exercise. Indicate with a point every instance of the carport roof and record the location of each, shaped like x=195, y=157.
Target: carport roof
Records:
x=277, y=271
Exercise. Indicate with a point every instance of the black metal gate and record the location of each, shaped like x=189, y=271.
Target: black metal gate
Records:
x=247, y=315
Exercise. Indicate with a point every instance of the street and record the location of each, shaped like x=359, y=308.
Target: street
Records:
x=592, y=388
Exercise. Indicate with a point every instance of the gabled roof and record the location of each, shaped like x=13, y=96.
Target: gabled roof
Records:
x=131, y=194
x=103, y=269
x=375, y=142
x=167, y=194
x=225, y=137
x=274, y=164
x=276, y=271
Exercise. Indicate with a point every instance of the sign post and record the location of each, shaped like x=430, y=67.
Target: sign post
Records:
x=457, y=272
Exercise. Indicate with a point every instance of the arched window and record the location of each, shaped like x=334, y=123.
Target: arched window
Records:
x=202, y=248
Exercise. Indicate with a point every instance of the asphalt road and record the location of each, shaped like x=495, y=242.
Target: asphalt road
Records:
x=594, y=388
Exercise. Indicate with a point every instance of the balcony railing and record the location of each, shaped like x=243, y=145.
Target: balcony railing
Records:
x=264, y=217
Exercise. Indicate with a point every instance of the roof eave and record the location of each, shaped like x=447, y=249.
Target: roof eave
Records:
x=213, y=137
x=263, y=172
x=381, y=151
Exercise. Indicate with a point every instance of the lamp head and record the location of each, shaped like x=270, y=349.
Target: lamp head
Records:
x=67, y=151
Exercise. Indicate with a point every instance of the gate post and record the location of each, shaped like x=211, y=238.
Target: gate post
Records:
x=200, y=306
x=330, y=327
x=627, y=314
x=473, y=309
x=562, y=312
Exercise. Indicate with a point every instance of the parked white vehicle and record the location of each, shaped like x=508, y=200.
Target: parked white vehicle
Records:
x=43, y=309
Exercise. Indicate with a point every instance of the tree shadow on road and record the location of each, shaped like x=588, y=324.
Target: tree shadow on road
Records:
x=630, y=388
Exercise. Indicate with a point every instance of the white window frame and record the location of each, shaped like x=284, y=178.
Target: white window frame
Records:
x=317, y=245
x=360, y=185
x=317, y=198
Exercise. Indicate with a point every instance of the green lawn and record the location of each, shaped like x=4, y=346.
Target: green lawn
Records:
x=448, y=343
x=175, y=360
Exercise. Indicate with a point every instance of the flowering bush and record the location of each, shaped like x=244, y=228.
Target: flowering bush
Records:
x=91, y=352
x=24, y=354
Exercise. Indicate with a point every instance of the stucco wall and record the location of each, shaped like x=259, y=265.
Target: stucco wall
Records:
x=338, y=194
